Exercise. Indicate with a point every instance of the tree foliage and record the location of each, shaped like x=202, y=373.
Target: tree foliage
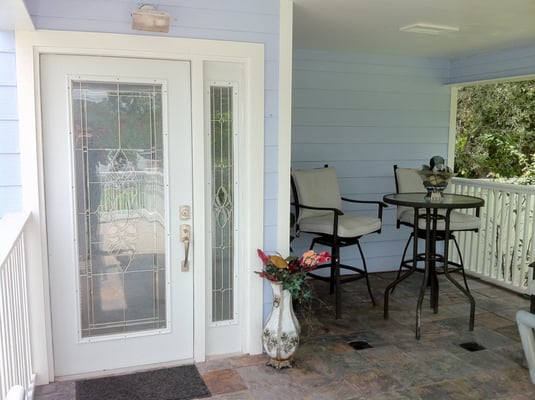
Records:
x=496, y=131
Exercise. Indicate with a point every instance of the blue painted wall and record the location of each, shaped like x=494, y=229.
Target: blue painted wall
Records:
x=499, y=65
x=362, y=113
x=359, y=112
x=10, y=184
x=238, y=20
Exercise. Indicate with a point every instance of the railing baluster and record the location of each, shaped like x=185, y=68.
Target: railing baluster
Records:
x=15, y=349
x=504, y=245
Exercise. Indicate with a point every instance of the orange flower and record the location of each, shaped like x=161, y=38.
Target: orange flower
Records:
x=279, y=262
x=310, y=258
x=292, y=271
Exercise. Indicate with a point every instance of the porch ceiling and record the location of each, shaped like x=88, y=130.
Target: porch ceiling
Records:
x=372, y=26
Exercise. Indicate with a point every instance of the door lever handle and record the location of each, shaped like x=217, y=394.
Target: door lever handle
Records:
x=185, y=236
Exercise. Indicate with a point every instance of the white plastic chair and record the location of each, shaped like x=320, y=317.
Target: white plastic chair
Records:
x=16, y=393
x=526, y=325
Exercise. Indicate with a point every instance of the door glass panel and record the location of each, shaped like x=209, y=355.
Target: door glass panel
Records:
x=119, y=190
x=222, y=168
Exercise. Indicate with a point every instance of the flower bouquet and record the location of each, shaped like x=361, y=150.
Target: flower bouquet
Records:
x=287, y=277
x=292, y=271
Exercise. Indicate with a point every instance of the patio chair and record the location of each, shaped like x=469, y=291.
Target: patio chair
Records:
x=526, y=325
x=408, y=181
x=16, y=393
x=318, y=210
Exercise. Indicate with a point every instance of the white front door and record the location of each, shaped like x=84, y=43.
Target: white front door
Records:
x=118, y=187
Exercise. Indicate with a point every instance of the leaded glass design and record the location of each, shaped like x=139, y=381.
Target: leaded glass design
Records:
x=120, y=218
x=222, y=195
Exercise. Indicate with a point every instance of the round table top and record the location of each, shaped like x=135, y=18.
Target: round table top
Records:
x=418, y=200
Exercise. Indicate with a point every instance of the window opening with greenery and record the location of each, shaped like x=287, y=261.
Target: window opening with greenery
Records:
x=495, y=144
x=495, y=135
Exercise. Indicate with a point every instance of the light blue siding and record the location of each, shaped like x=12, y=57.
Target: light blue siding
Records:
x=499, y=65
x=10, y=184
x=363, y=113
x=234, y=20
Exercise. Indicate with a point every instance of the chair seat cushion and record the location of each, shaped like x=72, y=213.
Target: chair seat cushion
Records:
x=349, y=225
x=459, y=221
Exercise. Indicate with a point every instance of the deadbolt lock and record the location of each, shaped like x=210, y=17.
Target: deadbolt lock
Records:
x=185, y=212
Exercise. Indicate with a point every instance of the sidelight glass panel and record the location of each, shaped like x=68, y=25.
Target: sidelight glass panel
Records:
x=119, y=191
x=222, y=187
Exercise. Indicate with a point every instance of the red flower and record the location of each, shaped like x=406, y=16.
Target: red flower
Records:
x=262, y=256
x=292, y=271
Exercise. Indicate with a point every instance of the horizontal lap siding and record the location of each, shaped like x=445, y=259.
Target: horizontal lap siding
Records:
x=500, y=65
x=235, y=20
x=10, y=184
x=361, y=114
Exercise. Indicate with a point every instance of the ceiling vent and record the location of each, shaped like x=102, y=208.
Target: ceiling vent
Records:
x=429, y=29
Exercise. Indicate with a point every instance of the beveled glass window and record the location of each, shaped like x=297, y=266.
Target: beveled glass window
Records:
x=223, y=202
x=120, y=217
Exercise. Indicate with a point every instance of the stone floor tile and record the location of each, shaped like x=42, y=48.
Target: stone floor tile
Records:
x=247, y=360
x=397, y=366
x=223, y=381
x=213, y=365
x=394, y=395
x=492, y=321
x=244, y=395
x=330, y=389
x=373, y=381
x=56, y=391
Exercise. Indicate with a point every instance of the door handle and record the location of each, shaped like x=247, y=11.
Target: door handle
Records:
x=185, y=236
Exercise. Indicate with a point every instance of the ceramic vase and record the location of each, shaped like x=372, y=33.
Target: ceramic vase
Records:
x=281, y=331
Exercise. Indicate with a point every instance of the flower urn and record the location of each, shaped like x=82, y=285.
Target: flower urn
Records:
x=281, y=331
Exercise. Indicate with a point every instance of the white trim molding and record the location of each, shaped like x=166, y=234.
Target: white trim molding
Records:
x=285, y=124
x=30, y=45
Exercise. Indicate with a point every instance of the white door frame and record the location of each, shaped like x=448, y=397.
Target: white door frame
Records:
x=29, y=47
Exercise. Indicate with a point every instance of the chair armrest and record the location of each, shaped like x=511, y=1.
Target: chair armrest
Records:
x=532, y=265
x=335, y=210
x=380, y=205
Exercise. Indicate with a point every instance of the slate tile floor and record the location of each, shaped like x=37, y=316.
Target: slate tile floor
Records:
x=396, y=366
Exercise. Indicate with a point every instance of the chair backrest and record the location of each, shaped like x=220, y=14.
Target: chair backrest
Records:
x=316, y=187
x=407, y=181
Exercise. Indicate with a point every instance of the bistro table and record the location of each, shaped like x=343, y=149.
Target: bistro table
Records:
x=431, y=214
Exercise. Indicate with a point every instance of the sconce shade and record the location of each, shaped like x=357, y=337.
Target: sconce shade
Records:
x=146, y=18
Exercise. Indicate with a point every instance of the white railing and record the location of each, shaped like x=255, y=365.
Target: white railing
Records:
x=502, y=249
x=15, y=352
x=127, y=192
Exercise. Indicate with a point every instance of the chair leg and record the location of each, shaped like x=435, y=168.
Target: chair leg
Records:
x=403, y=259
x=332, y=269
x=335, y=265
x=335, y=280
x=434, y=303
x=461, y=263
x=365, y=268
x=337, y=288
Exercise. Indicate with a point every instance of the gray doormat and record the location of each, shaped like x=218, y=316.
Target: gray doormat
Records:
x=177, y=383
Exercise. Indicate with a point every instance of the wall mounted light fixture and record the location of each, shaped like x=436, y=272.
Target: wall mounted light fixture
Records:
x=147, y=18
